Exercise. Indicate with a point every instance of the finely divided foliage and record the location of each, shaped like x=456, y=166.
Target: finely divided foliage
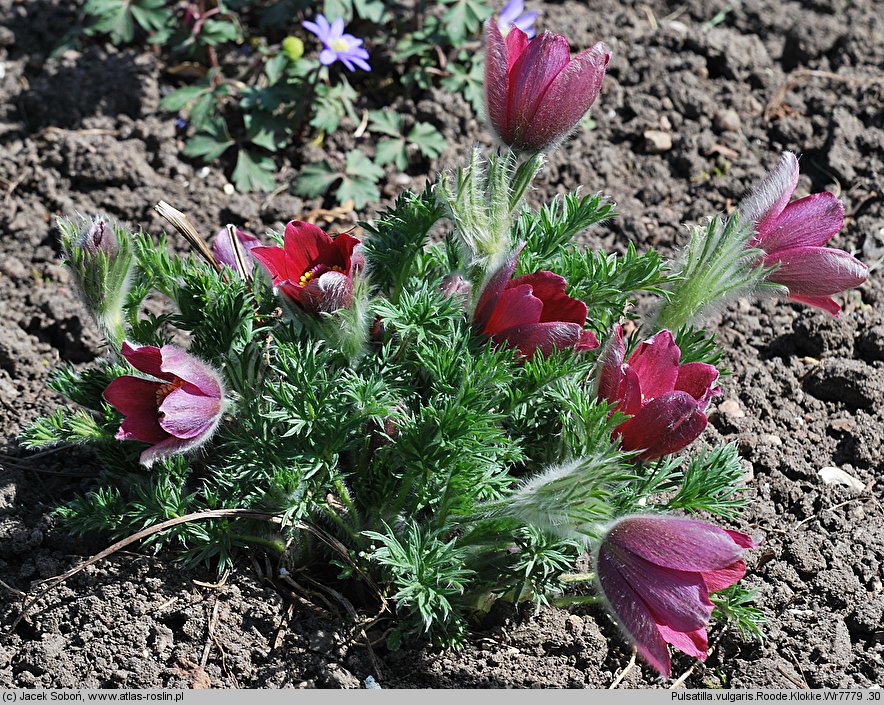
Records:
x=449, y=411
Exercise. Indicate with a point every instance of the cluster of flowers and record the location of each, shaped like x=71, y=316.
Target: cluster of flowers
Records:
x=655, y=572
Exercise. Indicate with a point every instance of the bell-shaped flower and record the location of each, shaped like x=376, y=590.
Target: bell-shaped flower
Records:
x=177, y=409
x=535, y=92
x=222, y=248
x=312, y=269
x=656, y=572
x=665, y=400
x=531, y=312
x=793, y=235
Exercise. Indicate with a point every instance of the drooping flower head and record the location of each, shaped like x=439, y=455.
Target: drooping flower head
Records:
x=513, y=15
x=656, y=573
x=531, y=312
x=666, y=401
x=176, y=410
x=535, y=92
x=793, y=236
x=222, y=248
x=312, y=269
x=338, y=46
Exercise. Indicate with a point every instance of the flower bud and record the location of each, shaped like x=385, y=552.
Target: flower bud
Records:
x=99, y=254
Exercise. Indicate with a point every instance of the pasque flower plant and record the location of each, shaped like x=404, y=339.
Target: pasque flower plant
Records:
x=430, y=406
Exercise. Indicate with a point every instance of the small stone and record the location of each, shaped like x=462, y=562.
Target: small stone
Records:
x=657, y=141
x=228, y=189
x=769, y=439
x=843, y=425
x=837, y=476
x=731, y=408
x=727, y=120
x=574, y=625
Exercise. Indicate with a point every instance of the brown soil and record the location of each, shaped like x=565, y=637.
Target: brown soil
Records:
x=82, y=132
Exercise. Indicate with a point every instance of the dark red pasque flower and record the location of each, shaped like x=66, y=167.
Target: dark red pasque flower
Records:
x=312, y=269
x=656, y=573
x=793, y=237
x=535, y=92
x=667, y=401
x=531, y=312
x=175, y=411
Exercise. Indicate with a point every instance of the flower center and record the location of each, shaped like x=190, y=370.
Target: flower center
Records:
x=316, y=272
x=165, y=390
x=339, y=45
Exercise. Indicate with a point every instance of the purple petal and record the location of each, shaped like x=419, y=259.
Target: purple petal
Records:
x=337, y=28
x=188, y=368
x=808, y=222
x=493, y=288
x=676, y=543
x=632, y=614
x=816, y=271
x=136, y=399
x=724, y=577
x=327, y=57
x=568, y=98
x=317, y=29
x=656, y=364
x=222, y=248
x=188, y=414
x=767, y=200
x=496, y=81
x=611, y=363
x=531, y=337
x=679, y=599
x=509, y=13
x=698, y=379
x=530, y=77
x=665, y=425
x=515, y=307
x=694, y=643
x=550, y=289
x=526, y=21
x=167, y=448
x=826, y=303
x=147, y=359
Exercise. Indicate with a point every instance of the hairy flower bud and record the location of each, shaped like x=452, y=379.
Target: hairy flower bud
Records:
x=99, y=255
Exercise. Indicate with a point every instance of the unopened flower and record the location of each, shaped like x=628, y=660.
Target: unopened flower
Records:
x=175, y=410
x=293, y=48
x=531, y=312
x=312, y=269
x=101, y=261
x=793, y=235
x=665, y=400
x=457, y=286
x=222, y=248
x=338, y=46
x=656, y=573
x=514, y=15
x=535, y=92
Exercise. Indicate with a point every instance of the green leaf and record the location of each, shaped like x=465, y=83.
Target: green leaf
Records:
x=268, y=131
x=216, y=32
x=359, y=179
x=371, y=10
x=182, y=97
x=464, y=18
x=427, y=139
x=211, y=143
x=392, y=152
x=254, y=172
x=275, y=67
x=315, y=179
x=118, y=18
x=385, y=122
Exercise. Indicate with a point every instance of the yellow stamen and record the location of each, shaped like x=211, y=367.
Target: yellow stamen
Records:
x=339, y=45
x=169, y=387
